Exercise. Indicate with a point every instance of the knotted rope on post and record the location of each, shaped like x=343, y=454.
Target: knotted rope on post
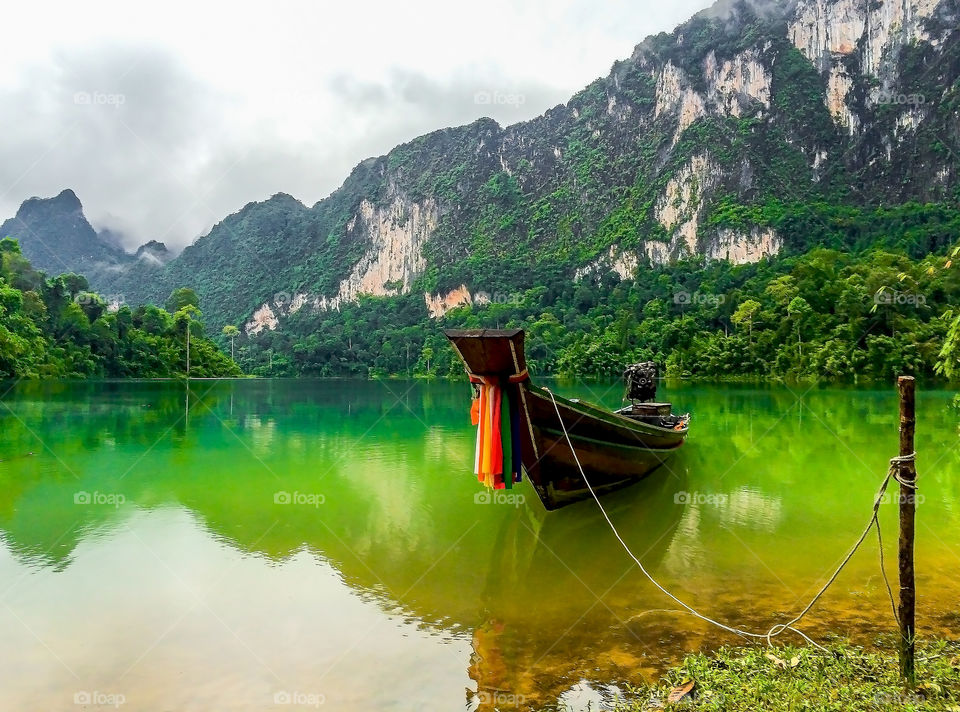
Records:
x=896, y=465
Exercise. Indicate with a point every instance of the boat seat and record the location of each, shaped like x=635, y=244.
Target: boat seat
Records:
x=636, y=410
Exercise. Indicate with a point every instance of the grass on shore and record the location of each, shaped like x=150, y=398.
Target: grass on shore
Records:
x=788, y=678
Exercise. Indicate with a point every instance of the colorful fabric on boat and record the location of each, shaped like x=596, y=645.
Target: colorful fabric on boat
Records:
x=492, y=414
x=516, y=461
x=489, y=458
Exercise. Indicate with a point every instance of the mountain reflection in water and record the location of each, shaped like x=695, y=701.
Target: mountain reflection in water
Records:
x=257, y=538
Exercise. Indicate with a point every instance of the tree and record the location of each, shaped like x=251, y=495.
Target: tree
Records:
x=92, y=304
x=57, y=328
x=153, y=320
x=783, y=289
x=745, y=314
x=231, y=332
x=948, y=361
x=180, y=298
x=426, y=355
x=10, y=246
x=74, y=323
x=75, y=283
x=185, y=321
x=799, y=311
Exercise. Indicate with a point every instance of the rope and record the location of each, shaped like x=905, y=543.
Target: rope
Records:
x=886, y=581
x=780, y=627
x=895, y=466
x=896, y=470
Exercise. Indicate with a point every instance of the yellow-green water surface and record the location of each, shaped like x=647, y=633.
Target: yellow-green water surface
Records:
x=273, y=545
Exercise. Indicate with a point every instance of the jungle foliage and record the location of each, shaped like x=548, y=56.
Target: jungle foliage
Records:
x=881, y=307
x=56, y=327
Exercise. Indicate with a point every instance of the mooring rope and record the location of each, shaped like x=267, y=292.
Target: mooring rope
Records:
x=896, y=470
x=883, y=572
x=779, y=628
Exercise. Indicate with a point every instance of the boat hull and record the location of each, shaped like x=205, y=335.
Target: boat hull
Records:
x=605, y=449
x=610, y=455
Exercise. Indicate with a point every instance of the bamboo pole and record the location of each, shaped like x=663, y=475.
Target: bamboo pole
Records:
x=907, y=472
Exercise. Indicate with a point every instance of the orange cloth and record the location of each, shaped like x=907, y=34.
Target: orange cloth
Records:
x=488, y=463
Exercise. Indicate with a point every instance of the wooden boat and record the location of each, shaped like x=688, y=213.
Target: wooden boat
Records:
x=614, y=448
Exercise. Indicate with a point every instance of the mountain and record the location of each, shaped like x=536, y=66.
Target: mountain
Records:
x=55, y=236
x=252, y=246
x=754, y=131
x=697, y=145
x=154, y=253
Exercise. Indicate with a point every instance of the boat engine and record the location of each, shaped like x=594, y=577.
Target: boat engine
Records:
x=641, y=381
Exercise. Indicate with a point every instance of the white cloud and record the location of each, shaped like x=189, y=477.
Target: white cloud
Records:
x=165, y=118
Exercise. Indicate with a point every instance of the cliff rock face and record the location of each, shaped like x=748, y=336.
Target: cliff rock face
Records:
x=871, y=32
x=682, y=152
x=438, y=305
x=396, y=234
x=737, y=83
x=679, y=208
x=876, y=29
x=741, y=248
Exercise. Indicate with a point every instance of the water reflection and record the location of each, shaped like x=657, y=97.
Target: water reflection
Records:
x=371, y=479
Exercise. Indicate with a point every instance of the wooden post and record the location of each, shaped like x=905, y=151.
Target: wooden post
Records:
x=908, y=590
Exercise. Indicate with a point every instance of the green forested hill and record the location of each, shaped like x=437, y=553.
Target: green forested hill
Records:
x=56, y=327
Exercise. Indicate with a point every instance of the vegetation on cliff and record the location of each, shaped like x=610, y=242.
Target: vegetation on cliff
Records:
x=828, y=313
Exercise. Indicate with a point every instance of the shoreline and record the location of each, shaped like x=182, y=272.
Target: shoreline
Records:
x=846, y=677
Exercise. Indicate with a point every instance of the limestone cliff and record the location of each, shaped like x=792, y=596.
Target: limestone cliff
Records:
x=684, y=150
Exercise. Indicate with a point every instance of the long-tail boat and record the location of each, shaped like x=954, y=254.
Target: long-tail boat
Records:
x=614, y=448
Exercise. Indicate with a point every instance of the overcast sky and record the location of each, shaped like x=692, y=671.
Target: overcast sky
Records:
x=165, y=121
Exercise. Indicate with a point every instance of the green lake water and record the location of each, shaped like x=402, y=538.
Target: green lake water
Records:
x=271, y=545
